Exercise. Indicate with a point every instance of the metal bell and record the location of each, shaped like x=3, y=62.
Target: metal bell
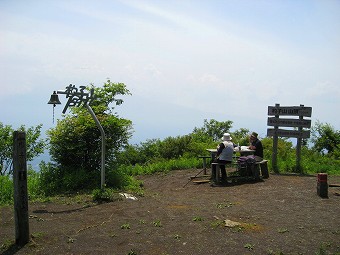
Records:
x=54, y=99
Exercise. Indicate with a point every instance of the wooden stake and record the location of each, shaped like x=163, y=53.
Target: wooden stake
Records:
x=20, y=188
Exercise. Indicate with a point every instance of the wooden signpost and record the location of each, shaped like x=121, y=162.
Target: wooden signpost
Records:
x=299, y=125
x=20, y=188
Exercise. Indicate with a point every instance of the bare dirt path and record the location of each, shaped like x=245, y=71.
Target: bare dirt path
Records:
x=280, y=215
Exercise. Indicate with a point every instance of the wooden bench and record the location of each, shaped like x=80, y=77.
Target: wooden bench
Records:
x=263, y=167
x=255, y=171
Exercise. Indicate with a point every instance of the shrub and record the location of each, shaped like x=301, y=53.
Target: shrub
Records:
x=33, y=184
x=55, y=180
x=6, y=190
x=104, y=195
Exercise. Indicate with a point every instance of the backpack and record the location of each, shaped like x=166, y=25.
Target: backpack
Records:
x=244, y=165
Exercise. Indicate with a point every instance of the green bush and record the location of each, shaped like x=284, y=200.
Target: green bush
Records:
x=56, y=180
x=161, y=166
x=117, y=178
x=104, y=195
x=34, y=184
x=50, y=179
x=6, y=190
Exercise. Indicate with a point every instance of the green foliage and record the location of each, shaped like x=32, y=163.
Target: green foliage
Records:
x=104, y=195
x=6, y=190
x=6, y=148
x=161, y=166
x=120, y=179
x=174, y=147
x=76, y=142
x=107, y=95
x=286, y=153
x=311, y=161
x=50, y=179
x=213, y=129
x=34, y=145
x=33, y=184
x=53, y=181
x=241, y=136
x=158, y=155
x=325, y=139
x=187, y=146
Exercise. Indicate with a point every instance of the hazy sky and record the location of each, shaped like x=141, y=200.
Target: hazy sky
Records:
x=183, y=61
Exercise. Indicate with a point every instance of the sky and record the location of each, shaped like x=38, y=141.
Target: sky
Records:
x=183, y=61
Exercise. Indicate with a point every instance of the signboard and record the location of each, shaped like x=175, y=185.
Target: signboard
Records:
x=288, y=133
x=290, y=110
x=272, y=121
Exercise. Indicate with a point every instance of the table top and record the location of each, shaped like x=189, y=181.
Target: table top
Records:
x=236, y=149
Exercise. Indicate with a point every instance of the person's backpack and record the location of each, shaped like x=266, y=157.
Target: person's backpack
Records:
x=244, y=164
x=251, y=159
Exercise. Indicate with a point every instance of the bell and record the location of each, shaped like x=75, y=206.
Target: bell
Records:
x=54, y=99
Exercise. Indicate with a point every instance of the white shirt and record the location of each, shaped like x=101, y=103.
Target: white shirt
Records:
x=227, y=152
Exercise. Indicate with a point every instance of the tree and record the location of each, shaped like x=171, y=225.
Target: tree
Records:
x=75, y=141
x=241, y=136
x=325, y=138
x=34, y=145
x=213, y=129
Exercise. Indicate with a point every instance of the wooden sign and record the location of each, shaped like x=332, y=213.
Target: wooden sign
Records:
x=20, y=188
x=290, y=110
x=288, y=133
x=272, y=121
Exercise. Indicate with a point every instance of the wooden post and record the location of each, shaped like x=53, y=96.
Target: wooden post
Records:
x=275, y=144
x=298, y=148
x=20, y=188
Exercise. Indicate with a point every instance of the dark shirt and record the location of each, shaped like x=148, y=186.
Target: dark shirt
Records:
x=259, y=149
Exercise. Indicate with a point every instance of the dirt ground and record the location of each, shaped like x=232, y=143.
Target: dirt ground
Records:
x=279, y=215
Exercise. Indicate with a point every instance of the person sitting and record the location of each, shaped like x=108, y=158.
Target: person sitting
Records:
x=256, y=145
x=224, y=155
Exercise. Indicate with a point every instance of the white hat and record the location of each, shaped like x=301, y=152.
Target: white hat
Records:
x=226, y=137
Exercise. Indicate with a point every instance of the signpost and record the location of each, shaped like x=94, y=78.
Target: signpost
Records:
x=298, y=133
x=20, y=188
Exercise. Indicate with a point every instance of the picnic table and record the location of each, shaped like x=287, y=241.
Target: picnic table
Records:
x=244, y=151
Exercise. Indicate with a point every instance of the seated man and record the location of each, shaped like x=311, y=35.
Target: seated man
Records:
x=256, y=144
x=224, y=155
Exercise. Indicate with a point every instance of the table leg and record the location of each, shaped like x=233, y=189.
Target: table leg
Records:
x=205, y=166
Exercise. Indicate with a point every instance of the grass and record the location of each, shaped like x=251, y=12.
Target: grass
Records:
x=125, y=226
x=216, y=223
x=157, y=223
x=282, y=230
x=7, y=243
x=249, y=246
x=196, y=218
